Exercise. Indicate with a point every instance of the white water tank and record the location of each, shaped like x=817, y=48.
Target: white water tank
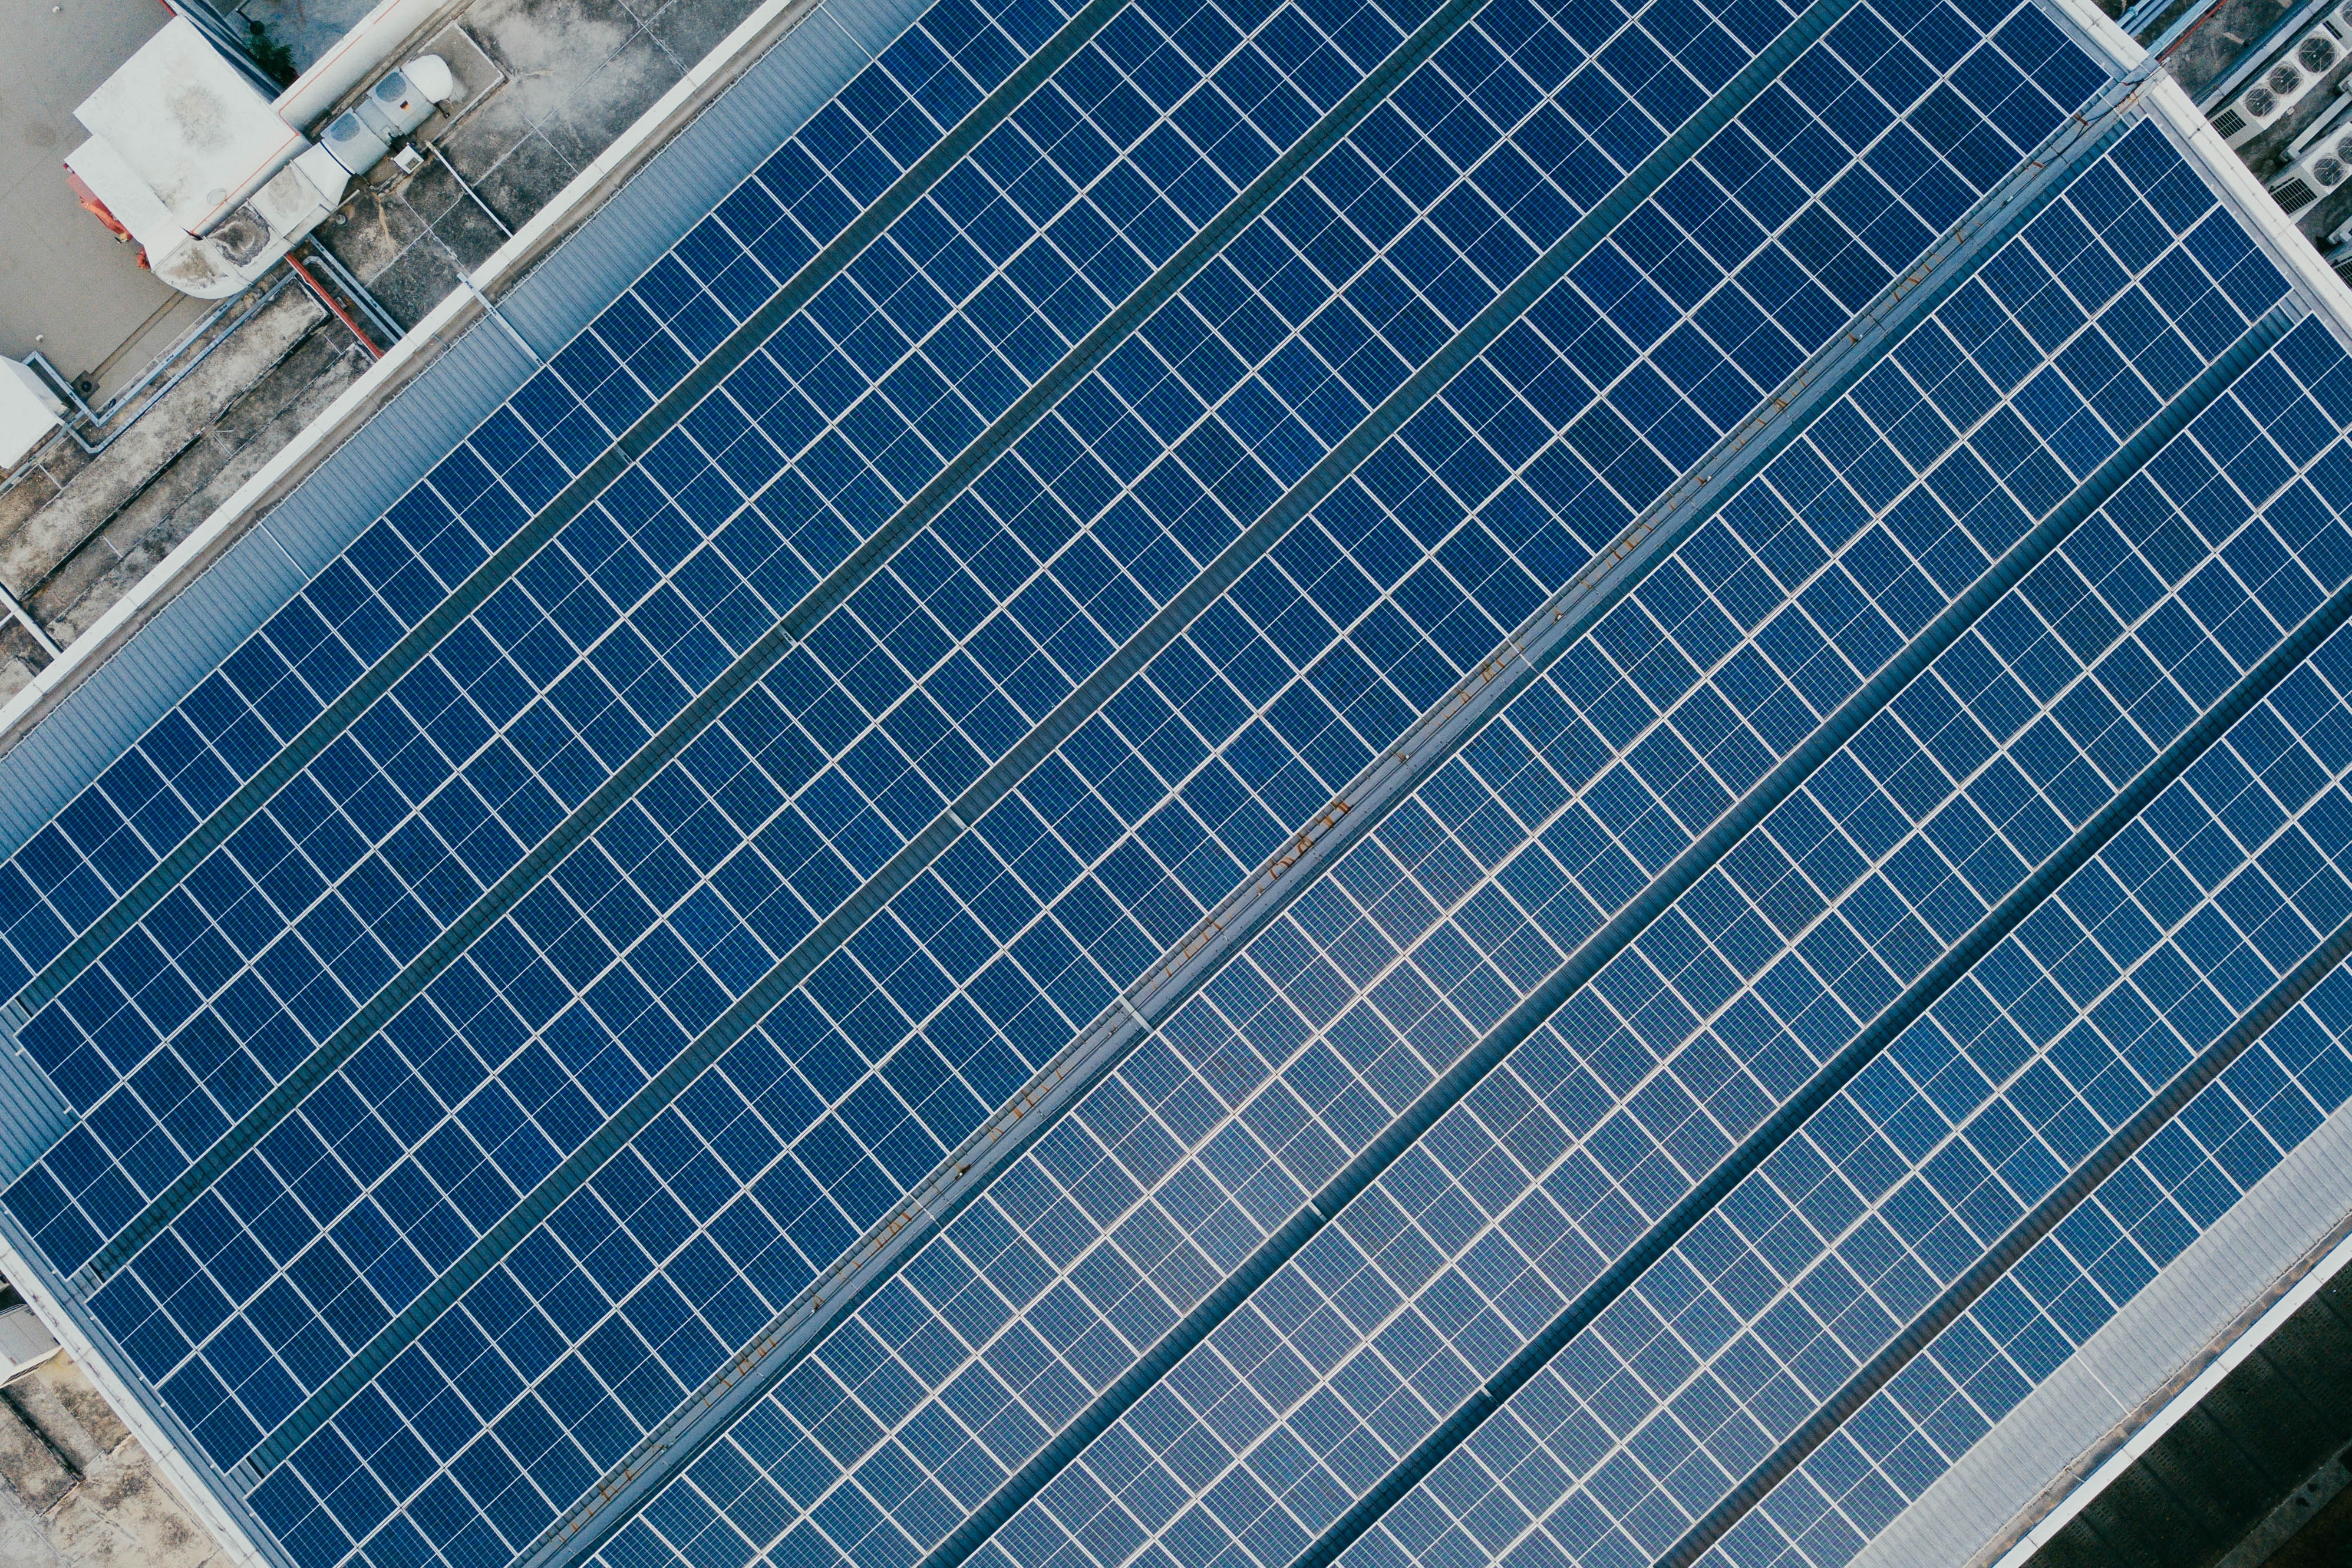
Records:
x=354, y=142
x=408, y=94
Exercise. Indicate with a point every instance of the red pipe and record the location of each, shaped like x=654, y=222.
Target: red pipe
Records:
x=328, y=300
x=94, y=207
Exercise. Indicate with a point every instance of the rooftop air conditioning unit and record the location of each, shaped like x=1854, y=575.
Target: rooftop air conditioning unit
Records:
x=213, y=212
x=2288, y=77
x=359, y=138
x=2318, y=161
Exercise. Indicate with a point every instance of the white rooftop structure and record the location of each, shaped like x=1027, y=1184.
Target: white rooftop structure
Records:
x=195, y=131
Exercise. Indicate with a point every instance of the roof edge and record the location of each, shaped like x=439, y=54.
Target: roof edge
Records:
x=2141, y=1373
x=231, y=1524
x=2330, y=296
x=80, y=757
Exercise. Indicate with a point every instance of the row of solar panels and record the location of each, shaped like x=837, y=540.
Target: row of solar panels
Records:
x=608, y=860
x=318, y=1309
x=1968, y=951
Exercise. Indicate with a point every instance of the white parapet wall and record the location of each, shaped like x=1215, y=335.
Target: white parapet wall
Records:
x=2044, y=1462
x=194, y=1488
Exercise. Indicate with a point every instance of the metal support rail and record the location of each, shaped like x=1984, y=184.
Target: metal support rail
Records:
x=169, y=360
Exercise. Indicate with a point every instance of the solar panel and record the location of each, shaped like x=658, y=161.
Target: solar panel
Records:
x=1346, y=1069
x=661, y=554
x=335, y=1108
x=2136, y=966
x=894, y=625
x=579, y=692
x=558, y=1255
x=334, y=804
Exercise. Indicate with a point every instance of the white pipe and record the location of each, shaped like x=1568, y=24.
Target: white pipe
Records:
x=374, y=39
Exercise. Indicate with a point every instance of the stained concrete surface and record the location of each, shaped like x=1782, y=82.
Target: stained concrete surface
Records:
x=80, y=1491
x=76, y=533
x=2214, y=45
x=579, y=72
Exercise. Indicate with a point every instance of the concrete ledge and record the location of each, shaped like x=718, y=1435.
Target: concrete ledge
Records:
x=2099, y=33
x=195, y=1489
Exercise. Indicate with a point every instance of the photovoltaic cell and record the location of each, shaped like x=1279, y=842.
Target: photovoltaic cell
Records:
x=548, y=912
x=1975, y=1113
x=2085, y=420
x=1128, y=1287
x=1718, y=1013
x=446, y=830
x=564, y=1250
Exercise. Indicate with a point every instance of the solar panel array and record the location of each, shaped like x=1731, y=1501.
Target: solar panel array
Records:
x=559, y=1254
x=1335, y=1019
x=2136, y=964
x=545, y=947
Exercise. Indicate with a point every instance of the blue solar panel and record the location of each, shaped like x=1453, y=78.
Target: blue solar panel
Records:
x=521, y=1025
x=385, y=750
x=882, y=601
x=559, y=1265
x=552, y=908
x=1302, y=1063
x=458, y=771
x=2070, y=1285
x=2059, y=1036
x=365, y=793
